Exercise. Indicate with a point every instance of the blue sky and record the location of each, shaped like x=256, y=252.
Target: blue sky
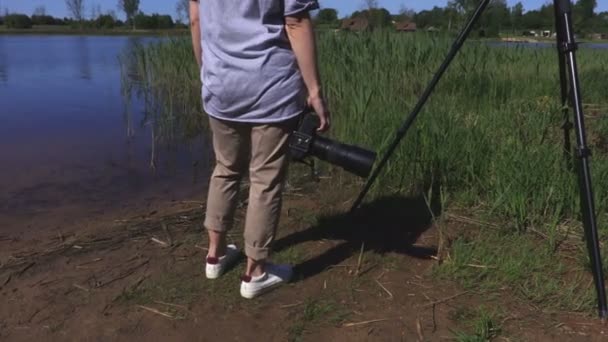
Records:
x=345, y=7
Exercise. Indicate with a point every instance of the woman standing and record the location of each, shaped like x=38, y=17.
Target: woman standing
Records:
x=259, y=74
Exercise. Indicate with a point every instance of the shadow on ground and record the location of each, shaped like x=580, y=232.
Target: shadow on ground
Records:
x=388, y=224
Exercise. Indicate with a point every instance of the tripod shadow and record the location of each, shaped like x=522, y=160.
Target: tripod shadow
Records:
x=388, y=224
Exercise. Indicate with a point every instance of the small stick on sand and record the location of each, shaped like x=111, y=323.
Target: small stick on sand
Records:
x=172, y=305
x=419, y=329
x=167, y=233
x=160, y=242
x=348, y=325
x=290, y=305
x=445, y=299
x=360, y=258
x=156, y=311
x=80, y=287
x=384, y=288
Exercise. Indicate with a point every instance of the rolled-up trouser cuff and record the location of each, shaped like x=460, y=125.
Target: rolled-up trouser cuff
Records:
x=217, y=224
x=256, y=253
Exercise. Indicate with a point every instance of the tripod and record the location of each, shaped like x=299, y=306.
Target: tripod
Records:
x=570, y=95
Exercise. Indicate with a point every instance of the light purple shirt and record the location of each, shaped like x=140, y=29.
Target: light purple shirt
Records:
x=250, y=73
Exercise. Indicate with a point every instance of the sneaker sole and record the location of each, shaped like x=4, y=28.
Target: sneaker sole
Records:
x=252, y=294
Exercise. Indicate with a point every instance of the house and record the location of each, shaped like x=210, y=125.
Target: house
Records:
x=355, y=24
x=599, y=36
x=406, y=27
x=531, y=33
x=595, y=36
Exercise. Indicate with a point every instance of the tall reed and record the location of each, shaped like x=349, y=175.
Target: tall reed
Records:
x=490, y=134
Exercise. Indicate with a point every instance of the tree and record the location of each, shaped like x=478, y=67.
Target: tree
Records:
x=183, y=10
x=369, y=4
x=154, y=21
x=40, y=11
x=437, y=17
x=130, y=7
x=105, y=21
x=585, y=8
x=463, y=6
x=95, y=11
x=497, y=17
x=76, y=9
x=18, y=21
x=327, y=16
x=406, y=13
x=378, y=17
x=517, y=15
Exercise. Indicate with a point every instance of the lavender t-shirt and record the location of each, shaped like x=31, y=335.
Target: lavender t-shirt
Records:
x=250, y=73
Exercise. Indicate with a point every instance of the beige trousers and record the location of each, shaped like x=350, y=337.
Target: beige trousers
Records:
x=261, y=148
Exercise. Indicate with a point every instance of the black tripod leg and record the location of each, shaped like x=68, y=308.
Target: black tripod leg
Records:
x=567, y=46
x=563, y=77
x=425, y=96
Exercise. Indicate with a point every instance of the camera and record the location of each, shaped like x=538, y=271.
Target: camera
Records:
x=305, y=142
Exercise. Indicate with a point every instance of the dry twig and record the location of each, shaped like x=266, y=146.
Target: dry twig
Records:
x=156, y=311
x=360, y=259
x=384, y=288
x=445, y=299
x=419, y=329
x=347, y=325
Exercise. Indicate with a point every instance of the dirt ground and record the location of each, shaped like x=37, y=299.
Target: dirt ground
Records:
x=363, y=278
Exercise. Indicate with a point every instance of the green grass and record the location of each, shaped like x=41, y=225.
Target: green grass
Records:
x=489, y=136
x=481, y=325
x=313, y=313
x=494, y=262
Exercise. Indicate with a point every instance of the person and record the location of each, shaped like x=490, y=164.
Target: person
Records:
x=259, y=74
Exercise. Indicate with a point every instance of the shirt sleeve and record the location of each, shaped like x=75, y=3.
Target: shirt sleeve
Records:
x=297, y=6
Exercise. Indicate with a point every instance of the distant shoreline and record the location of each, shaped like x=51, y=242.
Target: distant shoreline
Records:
x=91, y=32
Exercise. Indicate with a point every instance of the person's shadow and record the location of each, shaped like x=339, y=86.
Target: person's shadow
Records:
x=388, y=224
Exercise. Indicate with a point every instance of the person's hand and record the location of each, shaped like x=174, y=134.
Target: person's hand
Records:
x=317, y=103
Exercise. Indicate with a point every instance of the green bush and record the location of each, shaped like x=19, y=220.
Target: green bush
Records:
x=153, y=22
x=18, y=21
x=46, y=20
x=105, y=22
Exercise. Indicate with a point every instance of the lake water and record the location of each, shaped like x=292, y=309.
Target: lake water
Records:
x=64, y=150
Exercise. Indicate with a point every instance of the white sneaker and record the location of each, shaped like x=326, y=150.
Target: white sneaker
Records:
x=217, y=266
x=275, y=275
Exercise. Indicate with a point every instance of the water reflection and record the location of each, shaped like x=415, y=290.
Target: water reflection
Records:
x=82, y=50
x=79, y=149
x=3, y=63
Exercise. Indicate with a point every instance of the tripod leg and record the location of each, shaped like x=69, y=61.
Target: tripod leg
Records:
x=568, y=47
x=563, y=77
x=422, y=101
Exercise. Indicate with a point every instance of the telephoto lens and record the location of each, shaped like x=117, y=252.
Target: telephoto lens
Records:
x=305, y=142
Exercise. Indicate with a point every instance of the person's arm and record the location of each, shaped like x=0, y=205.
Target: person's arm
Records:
x=195, y=30
x=301, y=35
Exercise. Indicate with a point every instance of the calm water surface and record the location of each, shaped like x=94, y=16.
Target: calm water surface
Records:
x=64, y=151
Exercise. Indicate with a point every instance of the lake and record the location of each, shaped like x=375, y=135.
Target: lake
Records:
x=65, y=154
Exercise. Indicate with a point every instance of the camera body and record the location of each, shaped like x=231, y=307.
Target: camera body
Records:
x=305, y=142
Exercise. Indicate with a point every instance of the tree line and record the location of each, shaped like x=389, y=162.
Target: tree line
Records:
x=498, y=17
x=95, y=18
